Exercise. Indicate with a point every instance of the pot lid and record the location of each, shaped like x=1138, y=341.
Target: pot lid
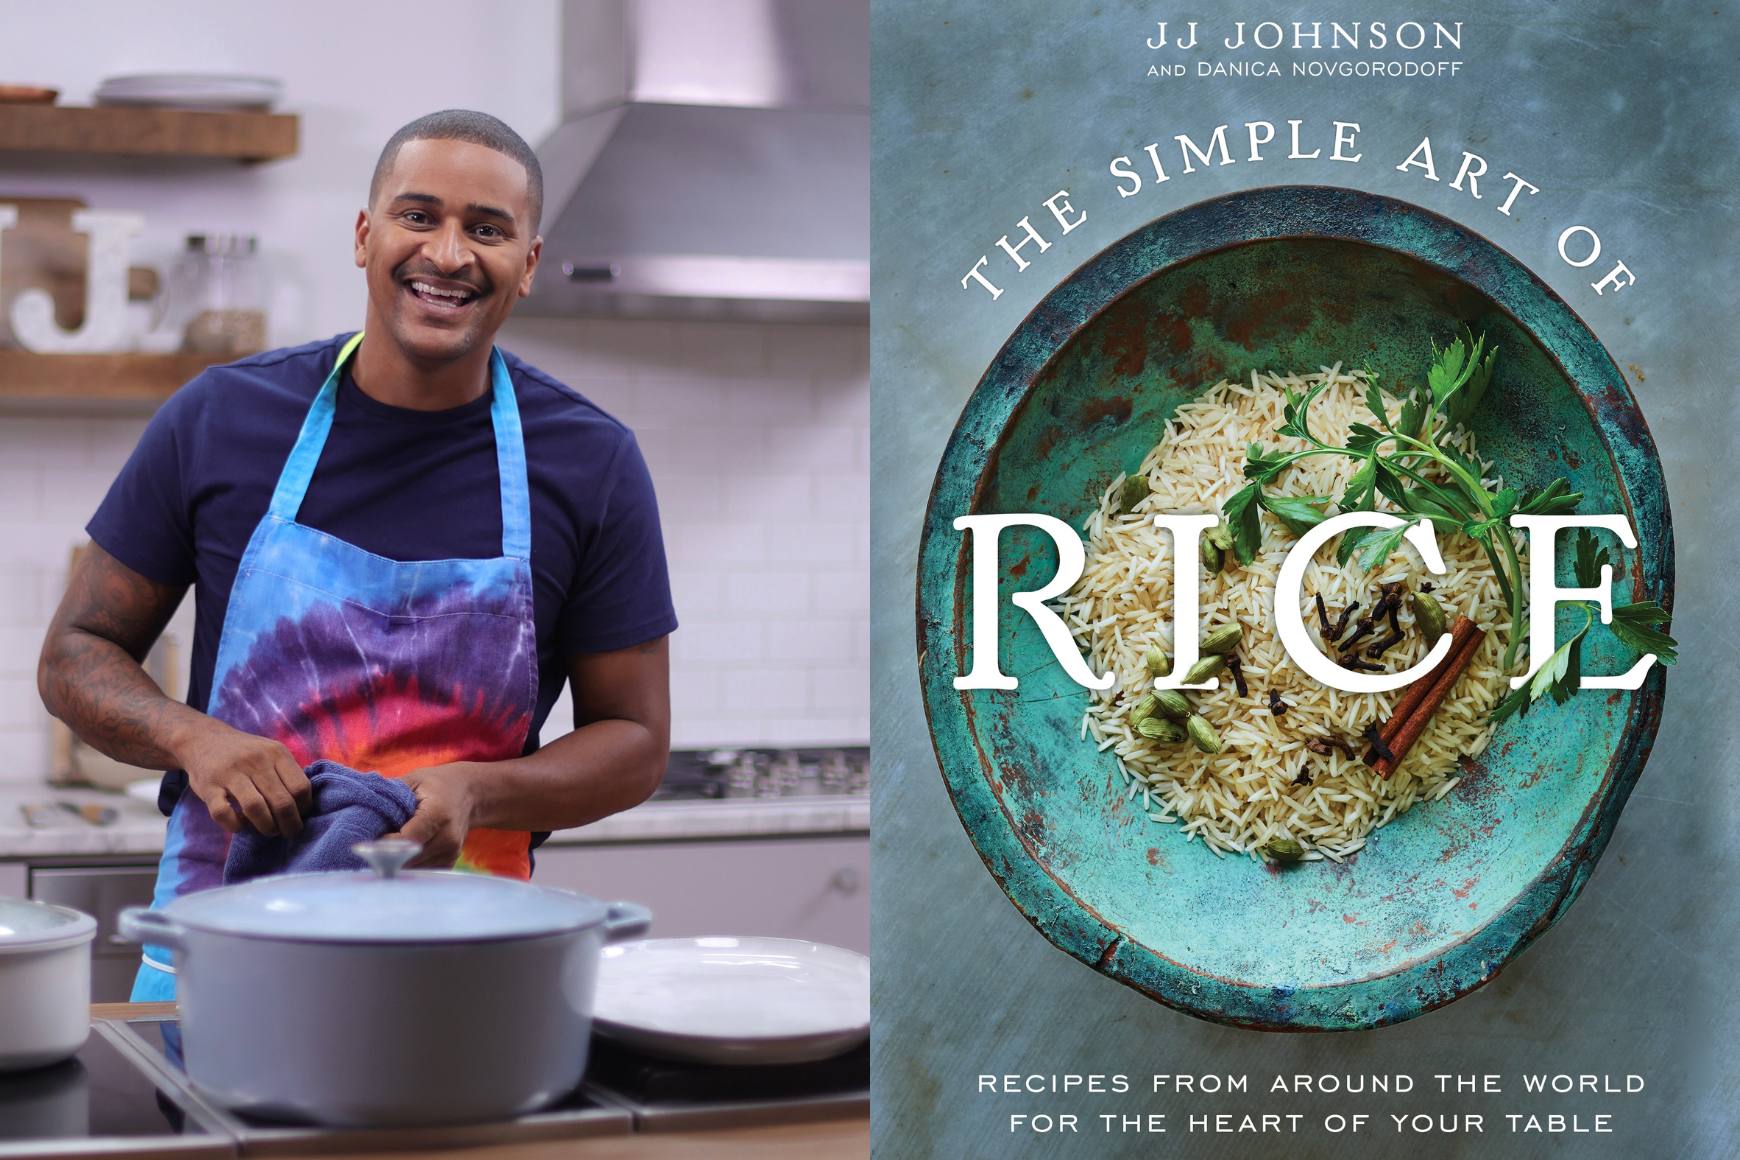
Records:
x=385, y=905
x=36, y=926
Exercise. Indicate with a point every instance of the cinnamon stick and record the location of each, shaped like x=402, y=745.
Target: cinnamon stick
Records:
x=1460, y=633
x=1405, y=727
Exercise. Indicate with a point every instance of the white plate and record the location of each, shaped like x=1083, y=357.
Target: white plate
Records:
x=734, y=1000
x=207, y=90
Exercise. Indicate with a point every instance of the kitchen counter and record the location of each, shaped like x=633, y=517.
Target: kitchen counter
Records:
x=849, y=1137
x=138, y=828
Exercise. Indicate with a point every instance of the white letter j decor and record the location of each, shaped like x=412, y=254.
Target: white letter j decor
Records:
x=105, y=327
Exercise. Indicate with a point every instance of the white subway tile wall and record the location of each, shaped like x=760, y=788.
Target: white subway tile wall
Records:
x=758, y=440
x=757, y=436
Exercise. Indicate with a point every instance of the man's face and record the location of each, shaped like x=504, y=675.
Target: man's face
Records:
x=448, y=247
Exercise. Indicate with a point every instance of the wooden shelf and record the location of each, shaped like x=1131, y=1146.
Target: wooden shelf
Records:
x=126, y=131
x=133, y=383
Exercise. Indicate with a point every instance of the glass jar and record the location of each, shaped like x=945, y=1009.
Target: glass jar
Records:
x=216, y=298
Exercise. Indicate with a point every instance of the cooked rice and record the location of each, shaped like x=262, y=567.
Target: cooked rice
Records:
x=1244, y=797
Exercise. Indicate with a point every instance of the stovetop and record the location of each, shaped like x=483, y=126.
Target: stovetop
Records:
x=623, y=1091
x=103, y=1101
x=125, y=1094
x=580, y=1114
x=666, y=1095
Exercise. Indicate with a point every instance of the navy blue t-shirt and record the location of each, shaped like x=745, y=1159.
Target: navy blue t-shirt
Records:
x=404, y=484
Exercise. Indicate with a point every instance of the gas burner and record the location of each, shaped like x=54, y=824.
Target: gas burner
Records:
x=698, y=775
x=670, y=1096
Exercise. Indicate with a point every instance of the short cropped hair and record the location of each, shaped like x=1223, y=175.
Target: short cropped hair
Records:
x=477, y=128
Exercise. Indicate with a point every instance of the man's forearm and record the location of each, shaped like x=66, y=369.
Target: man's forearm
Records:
x=591, y=773
x=106, y=698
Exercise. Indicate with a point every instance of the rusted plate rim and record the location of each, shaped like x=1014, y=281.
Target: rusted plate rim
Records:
x=1276, y=213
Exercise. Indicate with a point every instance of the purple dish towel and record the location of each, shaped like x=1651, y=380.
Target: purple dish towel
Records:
x=349, y=807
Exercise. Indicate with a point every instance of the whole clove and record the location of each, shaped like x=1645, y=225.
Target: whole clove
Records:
x=1389, y=596
x=1324, y=746
x=1380, y=750
x=1237, y=668
x=1341, y=622
x=1426, y=586
x=1360, y=632
x=1323, y=616
x=1276, y=705
x=1364, y=666
x=1378, y=648
x=1303, y=777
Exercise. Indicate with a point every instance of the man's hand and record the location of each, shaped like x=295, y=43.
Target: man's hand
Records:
x=443, y=818
x=240, y=776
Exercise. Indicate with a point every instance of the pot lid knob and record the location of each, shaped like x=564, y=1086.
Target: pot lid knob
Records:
x=387, y=856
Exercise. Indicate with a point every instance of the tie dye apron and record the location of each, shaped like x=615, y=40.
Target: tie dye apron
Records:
x=373, y=663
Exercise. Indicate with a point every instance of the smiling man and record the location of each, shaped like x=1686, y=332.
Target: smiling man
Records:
x=402, y=543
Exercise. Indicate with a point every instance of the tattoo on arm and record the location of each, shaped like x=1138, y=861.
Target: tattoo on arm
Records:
x=90, y=674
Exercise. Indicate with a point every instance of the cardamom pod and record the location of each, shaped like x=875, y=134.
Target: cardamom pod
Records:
x=1155, y=661
x=1429, y=615
x=1205, y=668
x=1171, y=703
x=1203, y=734
x=1143, y=710
x=1134, y=491
x=1160, y=729
x=1211, y=557
x=1220, y=536
x=1283, y=850
x=1223, y=639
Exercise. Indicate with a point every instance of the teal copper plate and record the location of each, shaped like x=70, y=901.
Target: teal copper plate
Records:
x=1440, y=899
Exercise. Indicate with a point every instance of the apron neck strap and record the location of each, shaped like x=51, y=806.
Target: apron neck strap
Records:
x=510, y=462
x=510, y=452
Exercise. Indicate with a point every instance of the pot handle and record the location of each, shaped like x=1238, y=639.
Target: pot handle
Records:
x=141, y=924
x=625, y=920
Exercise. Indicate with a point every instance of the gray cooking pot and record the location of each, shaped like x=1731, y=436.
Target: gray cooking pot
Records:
x=382, y=997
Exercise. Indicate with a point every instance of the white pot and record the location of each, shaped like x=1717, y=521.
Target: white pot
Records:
x=45, y=982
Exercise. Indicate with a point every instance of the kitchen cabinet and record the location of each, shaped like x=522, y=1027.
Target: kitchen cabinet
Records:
x=813, y=887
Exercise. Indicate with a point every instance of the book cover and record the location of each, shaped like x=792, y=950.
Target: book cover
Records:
x=1302, y=719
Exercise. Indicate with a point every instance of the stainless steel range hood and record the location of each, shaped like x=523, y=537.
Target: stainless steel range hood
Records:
x=714, y=161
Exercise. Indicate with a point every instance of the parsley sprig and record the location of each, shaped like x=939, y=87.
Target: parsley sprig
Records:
x=1411, y=461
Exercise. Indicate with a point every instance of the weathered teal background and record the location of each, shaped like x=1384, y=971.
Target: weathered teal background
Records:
x=1628, y=122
